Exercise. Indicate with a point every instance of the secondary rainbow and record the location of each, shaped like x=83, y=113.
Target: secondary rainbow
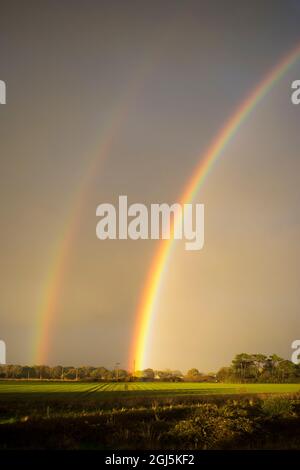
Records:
x=48, y=306
x=47, y=310
x=150, y=294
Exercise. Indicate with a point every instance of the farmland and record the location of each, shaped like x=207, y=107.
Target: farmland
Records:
x=47, y=390
x=148, y=415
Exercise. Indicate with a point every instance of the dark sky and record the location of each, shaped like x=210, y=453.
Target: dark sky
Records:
x=122, y=97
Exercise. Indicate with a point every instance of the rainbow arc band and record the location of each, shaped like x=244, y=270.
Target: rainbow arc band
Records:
x=150, y=294
x=48, y=303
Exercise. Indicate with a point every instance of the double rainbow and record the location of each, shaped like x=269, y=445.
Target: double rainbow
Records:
x=150, y=293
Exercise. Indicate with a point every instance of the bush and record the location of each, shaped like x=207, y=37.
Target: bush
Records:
x=275, y=407
x=212, y=427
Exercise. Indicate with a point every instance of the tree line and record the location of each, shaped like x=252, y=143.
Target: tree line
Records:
x=244, y=368
x=259, y=368
x=43, y=372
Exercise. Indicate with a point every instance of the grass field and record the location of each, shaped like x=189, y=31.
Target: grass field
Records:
x=79, y=390
x=149, y=415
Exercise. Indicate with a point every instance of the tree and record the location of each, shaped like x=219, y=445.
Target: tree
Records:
x=225, y=374
x=148, y=374
x=42, y=372
x=96, y=374
x=193, y=375
x=70, y=373
x=17, y=371
x=3, y=372
x=122, y=374
x=259, y=361
x=108, y=375
x=57, y=372
x=192, y=372
x=286, y=371
x=243, y=366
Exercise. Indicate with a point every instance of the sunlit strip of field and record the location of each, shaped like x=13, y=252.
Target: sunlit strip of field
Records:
x=76, y=390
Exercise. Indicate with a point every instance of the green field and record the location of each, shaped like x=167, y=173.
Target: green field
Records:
x=148, y=415
x=79, y=390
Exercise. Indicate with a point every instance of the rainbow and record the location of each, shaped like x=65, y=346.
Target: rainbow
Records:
x=47, y=309
x=48, y=303
x=150, y=293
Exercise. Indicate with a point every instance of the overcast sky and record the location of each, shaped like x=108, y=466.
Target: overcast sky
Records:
x=122, y=97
